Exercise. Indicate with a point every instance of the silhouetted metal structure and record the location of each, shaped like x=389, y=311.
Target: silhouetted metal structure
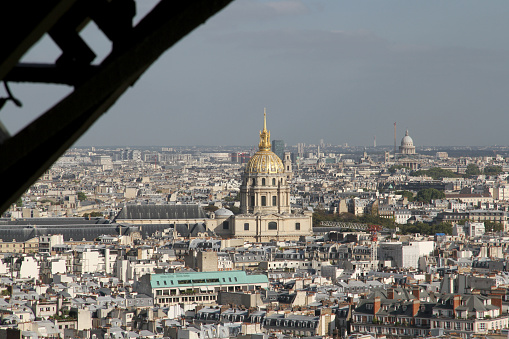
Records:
x=24, y=157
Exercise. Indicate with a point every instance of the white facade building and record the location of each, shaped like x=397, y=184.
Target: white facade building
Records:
x=405, y=255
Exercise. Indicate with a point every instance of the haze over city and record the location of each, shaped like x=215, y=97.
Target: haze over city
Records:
x=341, y=71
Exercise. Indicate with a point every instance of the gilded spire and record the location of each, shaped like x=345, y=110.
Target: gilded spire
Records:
x=264, y=135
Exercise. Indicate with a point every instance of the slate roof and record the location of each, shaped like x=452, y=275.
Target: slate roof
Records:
x=74, y=231
x=168, y=212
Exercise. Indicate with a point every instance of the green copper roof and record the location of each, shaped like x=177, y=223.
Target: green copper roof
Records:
x=205, y=279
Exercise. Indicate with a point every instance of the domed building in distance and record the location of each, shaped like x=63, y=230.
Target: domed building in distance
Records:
x=265, y=200
x=407, y=145
x=407, y=156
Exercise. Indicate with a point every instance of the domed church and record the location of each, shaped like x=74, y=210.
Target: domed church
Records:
x=407, y=145
x=407, y=156
x=265, y=200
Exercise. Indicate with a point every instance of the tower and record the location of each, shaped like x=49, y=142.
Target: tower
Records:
x=278, y=147
x=265, y=200
x=287, y=162
x=264, y=187
x=395, y=142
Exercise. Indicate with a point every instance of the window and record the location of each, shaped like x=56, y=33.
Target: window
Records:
x=274, y=201
x=226, y=225
x=482, y=326
x=264, y=201
x=263, y=181
x=272, y=225
x=273, y=182
x=297, y=226
x=252, y=200
x=246, y=226
x=254, y=181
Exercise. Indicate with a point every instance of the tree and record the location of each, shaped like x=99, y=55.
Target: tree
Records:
x=493, y=170
x=472, y=169
x=392, y=169
x=428, y=194
x=82, y=196
x=436, y=173
x=409, y=195
x=19, y=202
x=211, y=208
x=234, y=209
x=491, y=226
x=232, y=198
x=92, y=215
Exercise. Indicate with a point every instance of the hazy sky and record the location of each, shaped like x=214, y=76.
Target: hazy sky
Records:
x=343, y=71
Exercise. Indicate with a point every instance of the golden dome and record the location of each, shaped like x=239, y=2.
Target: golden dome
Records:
x=265, y=161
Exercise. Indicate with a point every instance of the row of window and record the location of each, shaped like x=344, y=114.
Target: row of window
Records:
x=272, y=226
x=264, y=200
x=264, y=182
x=185, y=299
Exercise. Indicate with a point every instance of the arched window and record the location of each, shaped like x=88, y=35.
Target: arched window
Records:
x=273, y=182
x=263, y=181
x=272, y=225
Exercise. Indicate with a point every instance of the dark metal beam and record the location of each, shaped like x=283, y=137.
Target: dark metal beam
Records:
x=28, y=154
x=51, y=74
x=23, y=23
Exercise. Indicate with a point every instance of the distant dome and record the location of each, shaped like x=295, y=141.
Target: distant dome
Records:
x=407, y=141
x=264, y=162
x=223, y=212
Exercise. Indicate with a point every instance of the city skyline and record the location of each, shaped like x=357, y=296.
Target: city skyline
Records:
x=339, y=71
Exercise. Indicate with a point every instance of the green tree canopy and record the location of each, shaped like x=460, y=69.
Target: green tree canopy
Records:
x=436, y=173
x=394, y=168
x=426, y=229
x=409, y=195
x=428, y=194
x=82, y=196
x=493, y=170
x=472, y=169
x=491, y=226
x=211, y=208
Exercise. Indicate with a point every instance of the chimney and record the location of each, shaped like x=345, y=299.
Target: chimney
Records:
x=376, y=305
x=390, y=293
x=416, y=291
x=456, y=303
x=496, y=300
x=415, y=307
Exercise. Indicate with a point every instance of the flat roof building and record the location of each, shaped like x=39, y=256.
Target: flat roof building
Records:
x=197, y=287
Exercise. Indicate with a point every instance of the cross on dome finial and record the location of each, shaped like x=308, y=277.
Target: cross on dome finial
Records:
x=264, y=135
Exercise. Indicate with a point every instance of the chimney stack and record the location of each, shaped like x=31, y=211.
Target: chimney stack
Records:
x=376, y=305
x=456, y=303
x=415, y=307
x=416, y=291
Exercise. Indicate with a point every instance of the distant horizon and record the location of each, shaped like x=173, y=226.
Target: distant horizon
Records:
x=256, y=146
x=341, y=71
